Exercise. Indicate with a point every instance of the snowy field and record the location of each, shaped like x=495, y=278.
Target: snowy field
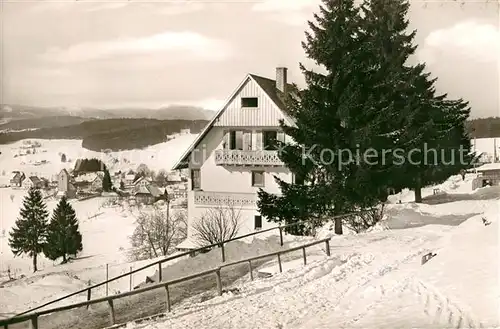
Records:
x=156, y=157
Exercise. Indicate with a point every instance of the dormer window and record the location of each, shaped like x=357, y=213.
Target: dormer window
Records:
x=249, y=102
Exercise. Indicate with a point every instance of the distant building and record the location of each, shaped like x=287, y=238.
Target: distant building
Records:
x=147, y=194
x=129, y=178
x=17, y=179
x=89, y=182
x=142, y=181
x=64, y=185
x=489, y=175
x=32, y=181
x=174, y=178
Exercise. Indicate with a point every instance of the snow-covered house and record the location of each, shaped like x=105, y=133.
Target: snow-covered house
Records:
x=17, y=179
x=173, y=178
x=489, y=174
x=64, y=185
x=236, y=153
x=129, y=178
x=147, y=194
x=142, y=181
x=89, y=182
x=32, y=181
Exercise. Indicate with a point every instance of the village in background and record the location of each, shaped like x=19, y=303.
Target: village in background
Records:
x=138, y=184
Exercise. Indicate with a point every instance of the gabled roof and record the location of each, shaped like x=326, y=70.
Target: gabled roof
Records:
x=35, y=179
x=268, y=86
x=148, y=189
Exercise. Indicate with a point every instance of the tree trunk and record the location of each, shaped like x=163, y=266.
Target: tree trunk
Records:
x=338, y=225
x=418, y=191
x=35, y=268
x=64, y=259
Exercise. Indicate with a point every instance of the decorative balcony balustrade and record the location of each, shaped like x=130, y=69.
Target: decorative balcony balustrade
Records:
x=247, y=158
x=225, y=199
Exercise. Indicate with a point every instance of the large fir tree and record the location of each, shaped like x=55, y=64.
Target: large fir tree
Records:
x=339, y=122
x=63, y=235
x=28, y=236
x=369, y=103
x=428, y=127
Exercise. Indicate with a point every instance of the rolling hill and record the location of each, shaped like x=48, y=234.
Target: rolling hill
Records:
x=112, y=134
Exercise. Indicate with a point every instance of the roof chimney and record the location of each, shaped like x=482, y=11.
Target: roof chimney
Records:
x=281, y=82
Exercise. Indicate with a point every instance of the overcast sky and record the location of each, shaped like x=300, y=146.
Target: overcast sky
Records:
x=152, y=54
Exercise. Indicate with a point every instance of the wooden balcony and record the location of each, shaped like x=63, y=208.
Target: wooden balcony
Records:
x=207, y=198
x=247, y=158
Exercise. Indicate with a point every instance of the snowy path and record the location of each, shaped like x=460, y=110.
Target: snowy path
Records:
x=336, y=291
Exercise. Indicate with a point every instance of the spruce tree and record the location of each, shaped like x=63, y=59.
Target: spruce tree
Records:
x=428, y=127
x=107, y=185
x=28, y=236
x=63, y=235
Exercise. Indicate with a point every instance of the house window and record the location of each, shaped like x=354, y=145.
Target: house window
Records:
x=249, y=102
x=195, y=179
x=235, y=140
x=257, y=222
x=269, y=139
x=258, y=178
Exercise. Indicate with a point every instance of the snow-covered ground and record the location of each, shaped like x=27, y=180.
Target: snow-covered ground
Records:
x=156, y=157
x=374, y=280
x=105, y=230
x=371, y=280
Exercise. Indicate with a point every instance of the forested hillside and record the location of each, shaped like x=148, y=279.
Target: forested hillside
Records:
x=114, y=134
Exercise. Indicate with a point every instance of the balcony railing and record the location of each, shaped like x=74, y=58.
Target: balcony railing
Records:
x=247, y=158
x=224, y=199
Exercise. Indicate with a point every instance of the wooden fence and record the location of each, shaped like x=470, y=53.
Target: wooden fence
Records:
x=33, y=317
x=159, y=263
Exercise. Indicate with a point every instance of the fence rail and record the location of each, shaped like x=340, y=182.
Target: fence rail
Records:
x=33, y=318
x=159, y=263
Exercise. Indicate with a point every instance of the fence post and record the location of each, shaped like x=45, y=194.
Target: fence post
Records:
x=89, y=293
x=304, y=255
x=279, y=263
x=89, y=296
x=111, y=311
x=327, y=245
x=34, y=322
x=223, y=253
x=281, y=235
x=168, y=298
x=219, y=282
x=107, y=278
x=251, y=269
x=130, y=282
x=159, y=273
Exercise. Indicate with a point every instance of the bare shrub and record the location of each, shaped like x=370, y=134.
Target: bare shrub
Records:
x=157, y=233
x=362, y=221
x=12, y=196
x=217, y=225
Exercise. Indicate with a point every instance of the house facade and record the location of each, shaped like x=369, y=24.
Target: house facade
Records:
x=64, y=185
x=17, y=179
x=236, y=154
x=32, y=181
